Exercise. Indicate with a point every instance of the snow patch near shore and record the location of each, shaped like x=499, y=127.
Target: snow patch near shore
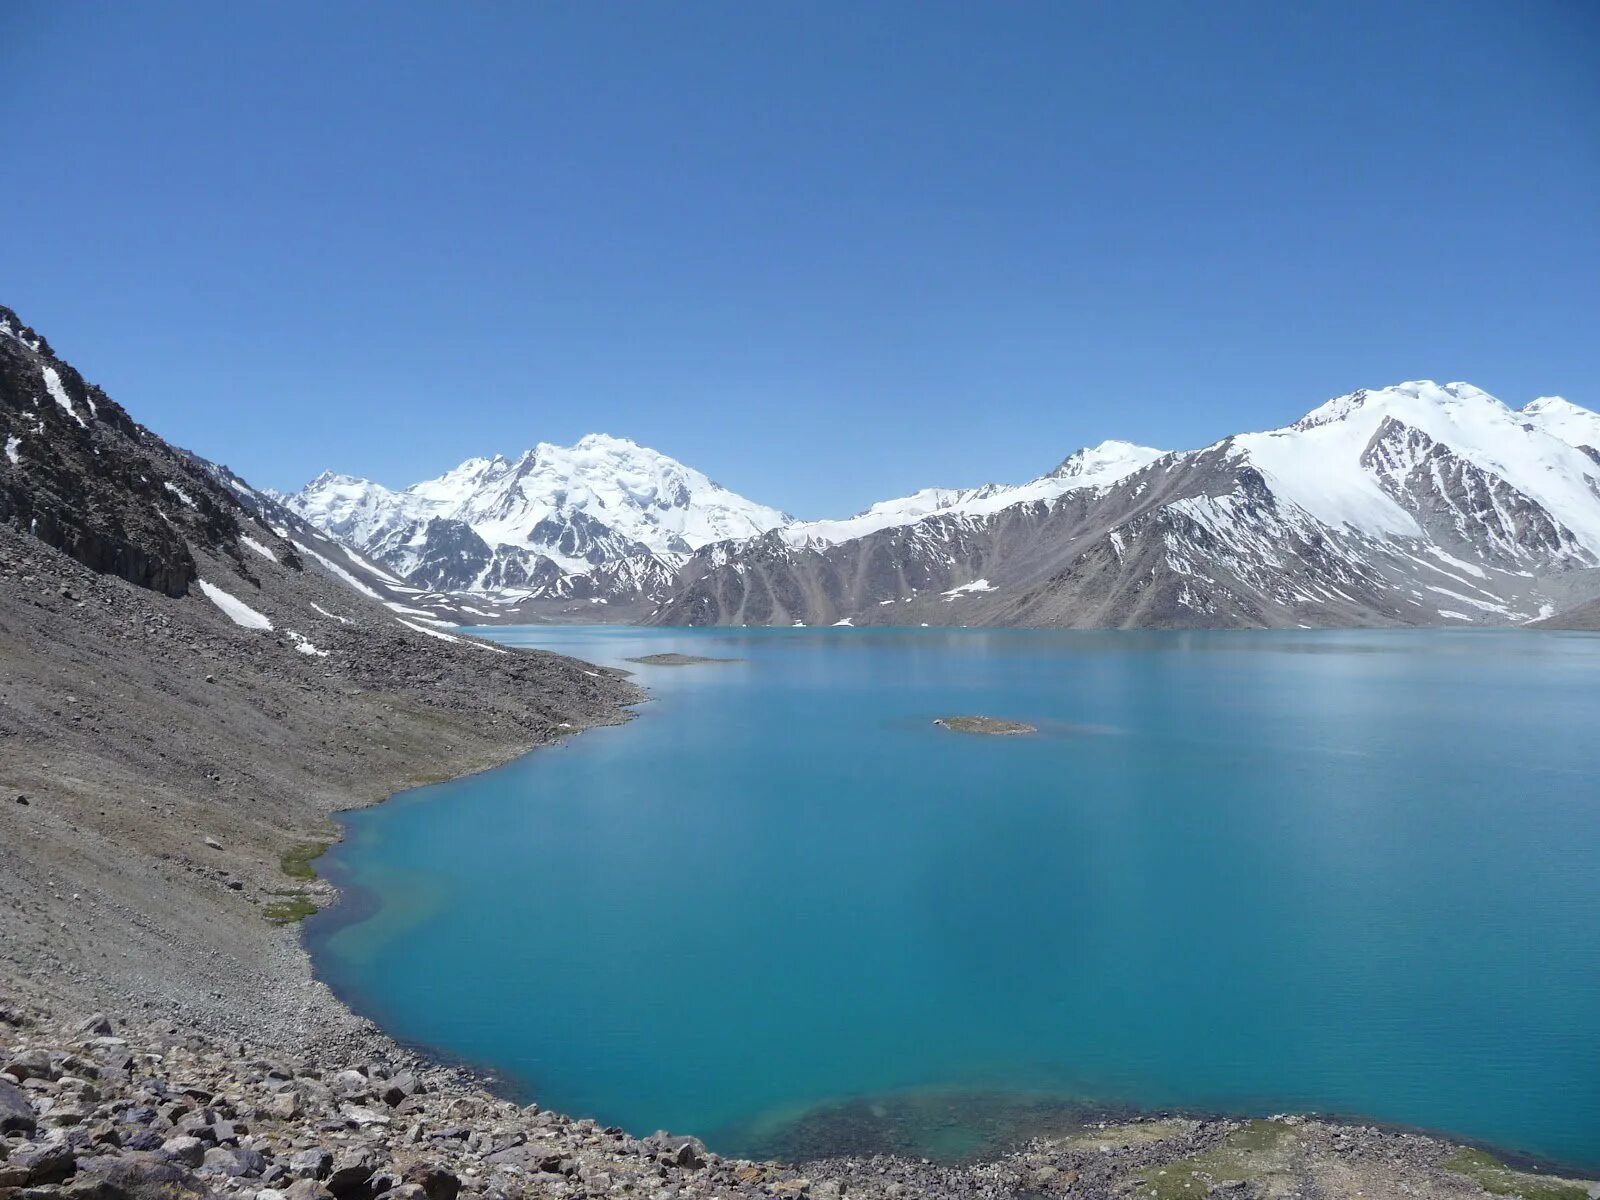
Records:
x=443, y=637
x=967, y=589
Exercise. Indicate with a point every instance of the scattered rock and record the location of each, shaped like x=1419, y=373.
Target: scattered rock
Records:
x=16, y=1114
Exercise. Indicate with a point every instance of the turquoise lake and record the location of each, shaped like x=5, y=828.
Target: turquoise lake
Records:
x=1349, y=872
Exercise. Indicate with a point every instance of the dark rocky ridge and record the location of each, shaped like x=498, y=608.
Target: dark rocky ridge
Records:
x=93, y=483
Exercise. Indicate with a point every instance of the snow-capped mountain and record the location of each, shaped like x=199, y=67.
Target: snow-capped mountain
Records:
x=1416, y=504
x=543, y=523
x=1095, y=466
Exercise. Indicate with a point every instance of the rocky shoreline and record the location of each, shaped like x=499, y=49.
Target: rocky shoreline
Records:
x=101, y=1110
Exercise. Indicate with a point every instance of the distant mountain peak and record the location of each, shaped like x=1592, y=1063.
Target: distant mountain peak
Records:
x=554, y=511
x=1107, y=462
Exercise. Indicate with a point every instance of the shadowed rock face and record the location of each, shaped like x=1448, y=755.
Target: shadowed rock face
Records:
x=83, y=477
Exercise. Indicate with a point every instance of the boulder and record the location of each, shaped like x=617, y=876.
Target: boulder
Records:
x=135, y=1179
x=184, y=1149
x=285, y=1106
x=98, y=1025
x=314, y=1164
x=350, y=1173
x=436, y=1181
x=16, y=1114
x=31, y=1064
x=398, y=1090
x=236, y=1164
x=43, y=1162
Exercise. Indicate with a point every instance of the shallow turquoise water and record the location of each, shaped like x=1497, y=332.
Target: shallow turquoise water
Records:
x=1344, y=871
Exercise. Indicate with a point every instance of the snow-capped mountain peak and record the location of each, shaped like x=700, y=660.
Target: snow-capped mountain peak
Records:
x=553, y=511
x=1095, y=466
x=1325, y=462
x=1105, y=463
x=1562, y=419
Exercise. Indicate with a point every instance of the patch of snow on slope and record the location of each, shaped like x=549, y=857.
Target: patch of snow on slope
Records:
x=402, y=608
x=967, y=589
x=433, y=633
x=52, y=384
x=12, y=443
x=303, y=644
x=339, y=571
x=177, y=491
x=259, y=548
x=332, y=616
x=373, y=567
x=237, y=610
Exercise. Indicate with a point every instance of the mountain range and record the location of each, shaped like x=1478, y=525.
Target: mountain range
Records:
x=1417, y=504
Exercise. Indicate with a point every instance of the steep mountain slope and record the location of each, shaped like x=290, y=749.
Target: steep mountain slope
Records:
x=193, y=682
x=541, y=524
x=1417, y=504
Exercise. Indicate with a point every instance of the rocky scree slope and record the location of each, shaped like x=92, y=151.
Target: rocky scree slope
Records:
x=1421, y=504
x=190, y=689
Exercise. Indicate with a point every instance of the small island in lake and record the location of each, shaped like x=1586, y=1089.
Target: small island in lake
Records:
x=679, y=660
x=993, y=726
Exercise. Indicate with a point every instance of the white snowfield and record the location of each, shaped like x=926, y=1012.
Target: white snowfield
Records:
x=1565, y=420
x=237, y=610
x=639, y=496
x=12, y=446
x=1316, y=462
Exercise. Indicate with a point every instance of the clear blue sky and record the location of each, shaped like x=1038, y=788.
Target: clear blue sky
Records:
x=824, y=252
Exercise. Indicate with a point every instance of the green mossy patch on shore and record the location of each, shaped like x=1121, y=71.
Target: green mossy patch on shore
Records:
x=1257, y=1152
x=297, y=859
x=289, y=910
x=1495, y=1177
